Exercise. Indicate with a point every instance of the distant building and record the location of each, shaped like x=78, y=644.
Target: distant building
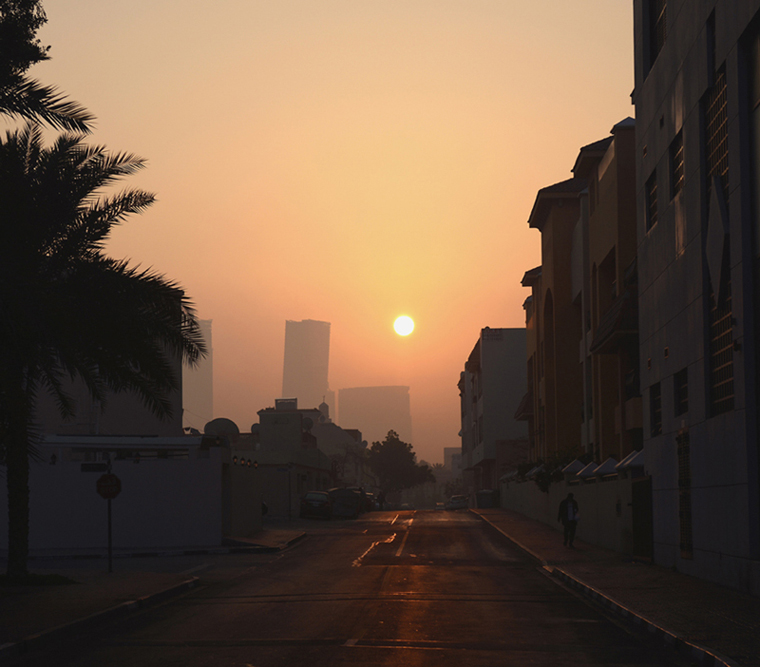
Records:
x=121, y=414
x=306, y=362
x=697, y=97
x=288, y=458
x=491, y=389
x=376, y=410
x=452, y=460
x=198, y=385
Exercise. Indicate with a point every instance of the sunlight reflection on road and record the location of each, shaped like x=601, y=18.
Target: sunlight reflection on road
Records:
x=358, y=561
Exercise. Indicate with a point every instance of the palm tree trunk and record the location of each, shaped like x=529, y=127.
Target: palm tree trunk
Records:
x=17, y=474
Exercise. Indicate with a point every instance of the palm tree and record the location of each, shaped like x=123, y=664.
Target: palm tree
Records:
x=68, y=311
x=27, y=98
x=21, y=96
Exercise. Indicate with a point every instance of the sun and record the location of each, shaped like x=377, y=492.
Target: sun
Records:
x=404, y=325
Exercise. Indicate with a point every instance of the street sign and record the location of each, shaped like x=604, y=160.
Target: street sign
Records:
x=108, y=486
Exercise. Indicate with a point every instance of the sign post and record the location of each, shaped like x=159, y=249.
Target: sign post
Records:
x=109, y=486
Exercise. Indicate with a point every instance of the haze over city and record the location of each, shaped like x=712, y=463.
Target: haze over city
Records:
x=344, y=161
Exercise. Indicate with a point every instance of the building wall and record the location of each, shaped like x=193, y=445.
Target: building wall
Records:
x=492, y=387
x=559, y=399
x=604, y=508
x=306, y=361
x=163, y=502
x=704, y=462
x=121, y=414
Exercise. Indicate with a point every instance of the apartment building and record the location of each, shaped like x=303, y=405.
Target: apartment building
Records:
x=697, y=97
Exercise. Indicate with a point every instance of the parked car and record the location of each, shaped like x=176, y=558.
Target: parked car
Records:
x=346, y=503
x=316, y=504
x=457, y=503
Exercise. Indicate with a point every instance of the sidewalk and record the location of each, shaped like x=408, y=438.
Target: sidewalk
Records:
x=721, y=625
x=32, y=615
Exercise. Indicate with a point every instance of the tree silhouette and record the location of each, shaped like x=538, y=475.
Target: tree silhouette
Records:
x=19, y=50
x=67, y=311
x=395, y=464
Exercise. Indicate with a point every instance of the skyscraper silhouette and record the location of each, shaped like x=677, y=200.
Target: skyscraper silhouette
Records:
x=307, y=356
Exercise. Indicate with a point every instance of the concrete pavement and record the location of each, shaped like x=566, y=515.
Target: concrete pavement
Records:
x=33, y=615
x=716, y=625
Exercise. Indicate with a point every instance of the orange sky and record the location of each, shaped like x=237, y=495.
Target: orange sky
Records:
x=346, y=161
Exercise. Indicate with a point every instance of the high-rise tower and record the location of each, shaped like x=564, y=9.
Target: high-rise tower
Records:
x=307, y=356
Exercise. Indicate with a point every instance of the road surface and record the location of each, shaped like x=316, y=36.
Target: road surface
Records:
x=393, y=588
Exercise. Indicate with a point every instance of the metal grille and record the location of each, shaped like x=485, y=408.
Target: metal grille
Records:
x=655, y=409
x=651, y=193
x=716, y=132
x=676, y=165
x=721, y=353
x=684, y=495
x=658, y=27
x=721, y=335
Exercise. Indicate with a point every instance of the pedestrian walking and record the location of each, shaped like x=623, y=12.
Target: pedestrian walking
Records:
x=568, y=515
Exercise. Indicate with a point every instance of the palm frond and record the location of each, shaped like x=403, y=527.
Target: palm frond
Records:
x=30, y=99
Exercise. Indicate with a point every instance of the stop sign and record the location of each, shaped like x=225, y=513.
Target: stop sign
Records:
x=108, y=486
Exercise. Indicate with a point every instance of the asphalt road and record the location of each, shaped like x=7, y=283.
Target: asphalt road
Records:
x=406, y=588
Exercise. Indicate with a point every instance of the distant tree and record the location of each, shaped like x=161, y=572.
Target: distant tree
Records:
x=395, y=464
x=68, y=311
x=19, y=50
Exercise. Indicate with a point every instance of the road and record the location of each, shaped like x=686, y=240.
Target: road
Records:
x=394, y=588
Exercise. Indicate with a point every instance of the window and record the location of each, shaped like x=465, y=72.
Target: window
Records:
x=716, y=132
x=658, y=27
x=681, y=392
x=655, y=409
x=651, y=197
x=721, y=352
x=720, y=313
x=676, y=165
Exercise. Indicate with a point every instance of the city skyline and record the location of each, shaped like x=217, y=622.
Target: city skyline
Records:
x=374, y=160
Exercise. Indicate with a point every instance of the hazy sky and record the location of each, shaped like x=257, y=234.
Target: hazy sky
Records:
x=346, y=161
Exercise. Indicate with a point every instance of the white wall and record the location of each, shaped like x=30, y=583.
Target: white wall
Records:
x=163, y=503
x=599, y=521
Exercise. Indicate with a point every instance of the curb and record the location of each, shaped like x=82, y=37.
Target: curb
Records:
x=238, y=549
x=520, y=546
x=32, y=642
x=704, y=655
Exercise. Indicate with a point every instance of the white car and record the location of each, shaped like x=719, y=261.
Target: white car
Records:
x=457, y=503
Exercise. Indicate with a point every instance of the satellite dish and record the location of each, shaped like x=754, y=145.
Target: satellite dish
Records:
x=308, y=423
x=222, y=427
